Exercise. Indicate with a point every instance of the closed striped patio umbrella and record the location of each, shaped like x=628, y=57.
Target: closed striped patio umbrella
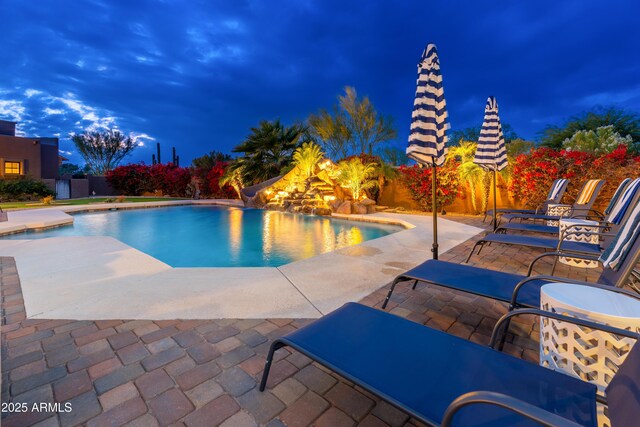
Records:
x=429, y=125
x=491, y=154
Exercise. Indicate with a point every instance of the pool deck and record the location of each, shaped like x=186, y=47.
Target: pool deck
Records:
x=205, y=372
x=94, y=278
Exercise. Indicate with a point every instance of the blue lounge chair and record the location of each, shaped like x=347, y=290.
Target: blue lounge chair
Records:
x=524, y=291
x=581, y=207
x=433, y=376
x=556, y=192
x=622, y=195
x=561, y=244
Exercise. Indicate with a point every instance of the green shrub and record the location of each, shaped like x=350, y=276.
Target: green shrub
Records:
x=24, y=188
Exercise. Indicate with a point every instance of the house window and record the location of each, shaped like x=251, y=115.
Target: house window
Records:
x=12, y=168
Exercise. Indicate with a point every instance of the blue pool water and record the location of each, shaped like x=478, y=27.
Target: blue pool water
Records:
x=207, y=236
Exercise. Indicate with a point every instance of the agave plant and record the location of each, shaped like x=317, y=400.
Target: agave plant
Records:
x=357, y=176
x=307, y=156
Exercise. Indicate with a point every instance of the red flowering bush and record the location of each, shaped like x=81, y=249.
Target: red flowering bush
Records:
x=418, y=182
x=132, y=180
x=172, y=180
x=136, y=179
x=533, y=173
x=213, y=188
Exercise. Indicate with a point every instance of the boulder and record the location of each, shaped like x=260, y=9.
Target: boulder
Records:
x=371, y=209
x=335, y=204
x=322, y=211
x=344, y=208
x=367, y=202
x=358, y=209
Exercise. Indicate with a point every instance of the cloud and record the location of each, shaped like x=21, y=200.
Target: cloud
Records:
x=52, y=111
x=43, y=114
x=31, y=92
x=12, y=109
x=140, y=138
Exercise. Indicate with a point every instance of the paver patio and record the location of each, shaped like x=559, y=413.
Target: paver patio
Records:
x=205, y=372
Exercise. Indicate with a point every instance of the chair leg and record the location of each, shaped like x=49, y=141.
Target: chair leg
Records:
x=393, y=286
x=267, y=366
x=503, y=339
x=485, y=217
x=555, y=263
x=415, y=283
x=473, y=249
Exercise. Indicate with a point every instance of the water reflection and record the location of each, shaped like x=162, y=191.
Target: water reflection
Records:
x=235, y=233
x=298, y=237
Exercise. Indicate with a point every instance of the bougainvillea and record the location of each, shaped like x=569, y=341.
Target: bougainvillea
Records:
x=213, y=188
x=172, y=180
x=418, y=182
x=131, y=180
x=533, y=173
x=136, y=179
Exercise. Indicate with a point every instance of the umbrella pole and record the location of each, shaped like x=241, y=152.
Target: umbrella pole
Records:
x=434, y=208
x=495, y=208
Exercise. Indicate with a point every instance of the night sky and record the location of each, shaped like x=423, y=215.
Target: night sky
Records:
x=199, y=74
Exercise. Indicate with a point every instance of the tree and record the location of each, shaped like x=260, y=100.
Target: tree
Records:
x=354, y=128
x=209, y=160
x=471, y=173
x=603, y=141
x=473, y=134
x=623, y=122
x=519, y=146
x=267, y=151
x=393, y=156
x=72, y=169
x=357, y=176
x=103, y=151
x=307, y=156
x=332, y=132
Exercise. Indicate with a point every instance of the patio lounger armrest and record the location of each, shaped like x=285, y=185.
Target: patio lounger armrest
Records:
x=514, y=298
x=558, y=254
x=500, y=329
x=524, y=409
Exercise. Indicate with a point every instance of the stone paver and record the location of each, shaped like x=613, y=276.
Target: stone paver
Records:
x=206, y=372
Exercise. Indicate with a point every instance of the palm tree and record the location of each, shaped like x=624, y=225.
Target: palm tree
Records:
x=356, y=176
x=307, y=156
x=267, y=150
x=470, y=172
x=233, y=177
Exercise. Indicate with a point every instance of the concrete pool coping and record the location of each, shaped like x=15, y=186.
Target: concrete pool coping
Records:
x=102, y=278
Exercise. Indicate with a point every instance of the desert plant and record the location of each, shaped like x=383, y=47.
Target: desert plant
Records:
x=624, y=122
x=307, y=156
x=601, y=141
x=103, y=150
x=357, y=176
x=354, y=128
x=47, y=200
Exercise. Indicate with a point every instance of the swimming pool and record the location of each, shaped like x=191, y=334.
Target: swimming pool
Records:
x=210, y=236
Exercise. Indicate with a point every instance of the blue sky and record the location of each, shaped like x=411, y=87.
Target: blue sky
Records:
x=198, y=75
